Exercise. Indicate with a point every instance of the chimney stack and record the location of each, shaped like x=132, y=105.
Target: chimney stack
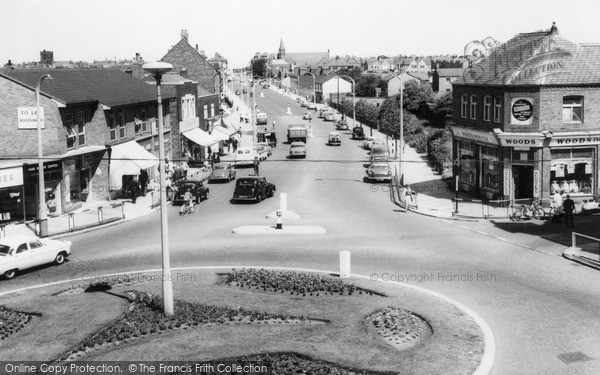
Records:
x=184, y=35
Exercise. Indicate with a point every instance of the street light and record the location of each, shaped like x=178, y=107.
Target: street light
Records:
x=314, y=87
x=401, y=130
x=42, y=209
x=353, y=100
x=157, y=69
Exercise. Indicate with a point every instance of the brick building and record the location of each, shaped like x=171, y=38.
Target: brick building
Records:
x=99, y=130
x=528, y=120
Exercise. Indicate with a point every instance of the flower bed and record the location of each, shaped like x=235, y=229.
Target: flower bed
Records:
x=144, y=316
x=291, y=282
x=400, y=328
x=12, y=321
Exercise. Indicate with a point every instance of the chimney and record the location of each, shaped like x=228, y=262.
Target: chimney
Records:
x=184, y=35
x=137, y=56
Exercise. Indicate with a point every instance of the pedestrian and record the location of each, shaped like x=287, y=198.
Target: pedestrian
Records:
x=568, y=208
x=256, y=163
x=557, y=205
x=134, y=189
x=184, y=167
x=143, y=181
x=169, y=168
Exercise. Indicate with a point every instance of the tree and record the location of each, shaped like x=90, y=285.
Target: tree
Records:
x=417, y=98
x=367, y=85
x=389, y=118
x=442, y=110
x=259, y=67
x=354, y=73
x=366, y=113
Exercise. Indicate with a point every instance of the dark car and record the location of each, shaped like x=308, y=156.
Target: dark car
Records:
x=358, y=132
x=222, y=172
x=237, y=92
x=197, y=188
x=252, y=188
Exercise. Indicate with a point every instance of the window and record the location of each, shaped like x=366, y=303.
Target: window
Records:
x=448, y=80
x=70, y=129
x=487, y=108
x=112, y=126
x=80, y=128
x=463, y=106
x=497, y=110
x=212, y=109
x=573, y=109
x=144, y=119
x=121, y=124
x=473, y=107
x=205, y=111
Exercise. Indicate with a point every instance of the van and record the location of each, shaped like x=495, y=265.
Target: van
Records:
x=246, y=155
x=261, y=118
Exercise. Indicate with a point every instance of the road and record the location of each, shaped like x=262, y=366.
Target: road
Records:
x=538, y=306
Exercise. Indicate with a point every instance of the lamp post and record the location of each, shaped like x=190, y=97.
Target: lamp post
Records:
x=42, y=209
x=157, y=69
x=314, y=87
x=401, y=130
x=353, y=100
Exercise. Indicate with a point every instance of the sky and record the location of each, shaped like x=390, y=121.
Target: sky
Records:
x=85, y=30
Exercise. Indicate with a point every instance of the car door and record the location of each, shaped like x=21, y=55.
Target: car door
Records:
x=41, y=254
x=23, y=257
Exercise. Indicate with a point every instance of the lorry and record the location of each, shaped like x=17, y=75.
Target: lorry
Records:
x=297, y=132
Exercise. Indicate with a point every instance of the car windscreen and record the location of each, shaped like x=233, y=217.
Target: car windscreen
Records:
x=219, y=167
x=379, y=167
x=4, y=250
x=246, y=183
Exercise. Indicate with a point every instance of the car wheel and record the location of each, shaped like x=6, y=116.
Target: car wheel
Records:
x=10, y=274
x=206, y=195
x=271, y=193
x=258, y=198
x=60, y=258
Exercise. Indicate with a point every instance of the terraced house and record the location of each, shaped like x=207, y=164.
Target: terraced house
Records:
x=100, y=129
x=528, y=120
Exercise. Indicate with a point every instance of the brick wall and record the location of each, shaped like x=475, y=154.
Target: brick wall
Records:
x=551, y=108
x=184, y=56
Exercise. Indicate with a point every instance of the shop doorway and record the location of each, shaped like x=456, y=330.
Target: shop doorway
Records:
x=523, y=181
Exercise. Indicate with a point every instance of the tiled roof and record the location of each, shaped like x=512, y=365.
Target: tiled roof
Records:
x=305, y=58
x=107, y=86
x=450, y=72
x=539, y=58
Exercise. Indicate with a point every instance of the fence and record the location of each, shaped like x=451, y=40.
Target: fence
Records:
x=585, y=247
x=498, y=208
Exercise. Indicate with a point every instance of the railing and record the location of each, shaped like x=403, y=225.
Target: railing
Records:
x=585, y=247
x=482, y=208
x=84, y=219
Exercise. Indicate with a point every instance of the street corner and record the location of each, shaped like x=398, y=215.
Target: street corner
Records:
x=285, y=230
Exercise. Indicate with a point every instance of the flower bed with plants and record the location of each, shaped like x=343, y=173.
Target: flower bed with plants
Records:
x=291, y=282
x=144, y=316
x=399, y=328
x=12, y=321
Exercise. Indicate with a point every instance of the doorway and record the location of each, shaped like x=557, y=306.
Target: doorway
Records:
x=523, y=181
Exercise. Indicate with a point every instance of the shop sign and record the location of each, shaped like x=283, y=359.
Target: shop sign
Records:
x=506, y=180
x=11, y=177
x=27, y=117
x=50, y=168
x=475, y=135
x=583, y=140
x=517, y=140
x=536, y=183
x=521, y=111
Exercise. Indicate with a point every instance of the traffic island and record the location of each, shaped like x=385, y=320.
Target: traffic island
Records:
x=273, y=230
x=290, y=321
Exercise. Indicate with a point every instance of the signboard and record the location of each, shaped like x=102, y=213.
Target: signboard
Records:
x=576, y=140
x=506, y=180
x=11, y=177
x=521, y=110
x=521, y=140
x=475, y=135
x=536, y=183
x=52, y=171
x=27, y=117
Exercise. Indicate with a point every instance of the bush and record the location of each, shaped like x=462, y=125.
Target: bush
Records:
x=439, y=150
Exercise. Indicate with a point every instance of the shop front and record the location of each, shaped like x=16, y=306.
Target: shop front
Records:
x=197, y=145
x=478, y=163
x=53, y=175
x=12, y=193
x=126, y=161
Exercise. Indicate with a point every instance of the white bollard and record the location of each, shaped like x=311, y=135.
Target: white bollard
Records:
x=289, y=111
x=344, y=264
x=283, y=202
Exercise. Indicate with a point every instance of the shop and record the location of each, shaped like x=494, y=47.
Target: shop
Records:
x=12, y=193
x=126, y=161
x=53, y=175
x=197, y=145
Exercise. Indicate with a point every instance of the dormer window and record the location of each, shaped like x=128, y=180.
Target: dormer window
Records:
x=573, y=109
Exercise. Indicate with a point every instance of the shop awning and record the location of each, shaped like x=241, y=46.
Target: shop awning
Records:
x=200, y=137
x=223, y=133
x=83, y=150
x=127, y=159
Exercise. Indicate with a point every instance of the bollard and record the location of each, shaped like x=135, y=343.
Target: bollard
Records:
x=279, y=221
x=71, y=218
x=100, y=215
x=344, y=264
x=283, y=202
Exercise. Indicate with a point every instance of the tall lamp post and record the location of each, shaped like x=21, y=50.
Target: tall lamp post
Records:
x=157, y=69
x=42, y=209
x=353, y=100
x=314, y=87
x=401, y=130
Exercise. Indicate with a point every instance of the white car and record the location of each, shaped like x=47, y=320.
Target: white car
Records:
x=307, y=116
x=21, y=252
x=312, y=106
x=297, y=150
x=369, y=141
x=246, y=155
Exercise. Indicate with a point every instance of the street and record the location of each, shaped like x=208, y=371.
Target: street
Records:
x=537, y=305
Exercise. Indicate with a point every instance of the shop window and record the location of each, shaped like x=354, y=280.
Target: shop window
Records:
x=467, y=162
x=463, y=106
x=70, y=130
x=571, y=171
x=573, y=109
x=473, y=107
x=490, y=170
x=487, y=108
x=497, y=110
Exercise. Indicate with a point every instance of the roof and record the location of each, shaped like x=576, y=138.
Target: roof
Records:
x=305, y=58
x=69, y=86
x=450, y=72
x=542, y=58
x=419, y=76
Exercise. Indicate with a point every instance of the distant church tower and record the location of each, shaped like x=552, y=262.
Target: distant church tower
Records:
x=281, y=52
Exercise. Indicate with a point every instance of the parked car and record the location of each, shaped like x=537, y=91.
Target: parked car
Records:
x=222, y=172
x=266, y=145
x=261, y=118
x=358, y=132
x=197, y=188
x=335, y=139
x=263, y=151
x=379, y=172
x=252, y=188
x=268, y=138
x=21, y=252
x=312, y=106
x=303, y=103
x=376, y=143
x=329, y=117
x=245, y=91
x=342, y=124
x=237, y=92
x=298, y=150
x=369, y=141
x=246, y=155
x=307, y=116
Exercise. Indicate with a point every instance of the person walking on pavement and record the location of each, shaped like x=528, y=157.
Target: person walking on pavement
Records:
x=134, y=188
x=143, y=181
x=568, y=209
x=256, y=163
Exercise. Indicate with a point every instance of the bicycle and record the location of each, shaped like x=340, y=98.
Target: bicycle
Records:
x=189, y=208
x=526, y=212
